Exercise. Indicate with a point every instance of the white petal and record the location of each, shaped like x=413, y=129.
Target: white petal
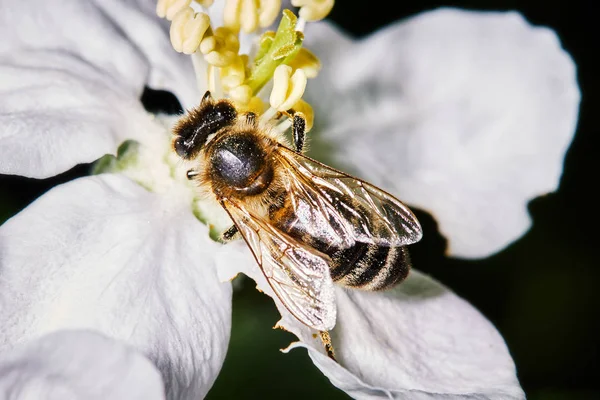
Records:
x=417, y=341
x=69, y=365
x=71, y=76
x=467, y=115
x=103, y=253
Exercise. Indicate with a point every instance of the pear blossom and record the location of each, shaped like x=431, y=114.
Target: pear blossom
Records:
x=464, y=114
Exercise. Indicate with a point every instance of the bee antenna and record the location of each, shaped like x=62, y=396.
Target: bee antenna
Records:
x=207, y=97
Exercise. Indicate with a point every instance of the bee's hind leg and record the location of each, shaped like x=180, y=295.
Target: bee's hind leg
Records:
x=326, y=339
x=229, y=234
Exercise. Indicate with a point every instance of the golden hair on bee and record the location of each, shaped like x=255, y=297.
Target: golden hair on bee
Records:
x=233, y=153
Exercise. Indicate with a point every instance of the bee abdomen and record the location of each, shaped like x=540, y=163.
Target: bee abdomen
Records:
x=370, y=267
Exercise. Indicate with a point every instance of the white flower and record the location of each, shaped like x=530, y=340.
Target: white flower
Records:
x=51, y=368
x=466, y=115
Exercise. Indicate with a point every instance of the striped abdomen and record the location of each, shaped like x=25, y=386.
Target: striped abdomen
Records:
x=364, y=266
x=370, y=267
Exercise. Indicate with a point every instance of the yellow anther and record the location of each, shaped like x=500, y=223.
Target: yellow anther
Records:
x=205, y=3
x=234, y=74
x=269, y=10
x=313, y=10
x=168, y=8
x=303, y=107
x=220, y=48
x=188, y=29
x=306, y=60
x=249, y=15
x=220, y=58
x=287, y=88
x=229, y=38
x=241, y=94
x=231, y=14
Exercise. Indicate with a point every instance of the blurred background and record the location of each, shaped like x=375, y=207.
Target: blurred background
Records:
x=541, y=292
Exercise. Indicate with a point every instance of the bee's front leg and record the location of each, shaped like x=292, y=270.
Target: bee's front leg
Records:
x=299, y=131
x=229, y=234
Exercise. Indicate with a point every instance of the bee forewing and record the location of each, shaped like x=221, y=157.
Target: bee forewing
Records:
x=355, y=209
x=298, y=274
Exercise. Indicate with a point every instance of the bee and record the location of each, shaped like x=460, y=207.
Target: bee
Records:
x=308, y=225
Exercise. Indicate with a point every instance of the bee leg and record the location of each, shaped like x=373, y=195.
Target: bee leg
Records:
x=326, y=339
x=250, y=118
x=299, y=131
x=229, y=234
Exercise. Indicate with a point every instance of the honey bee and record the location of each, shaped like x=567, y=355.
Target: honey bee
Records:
x=308, y=225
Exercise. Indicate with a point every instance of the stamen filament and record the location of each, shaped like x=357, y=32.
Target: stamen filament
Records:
x=200, y=70
x=313, y=10
x=284, y=125
x=287, y=88
x=267, y=115
x=301, y=24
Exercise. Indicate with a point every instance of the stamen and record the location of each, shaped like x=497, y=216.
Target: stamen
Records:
x=231, y=15
x=234, y=74
x=287, y=88
x=269, y=9
x=241, y=94
x=267, y=115
x=249, y=15
x=188, y=29
x=168, y=8
x=284, y=125
x=306, y=60
x=221, y=47
x=300, y=25
x=313, y=10
x=220, y=59
x=214, y=81
x=205, y=3
x=200, y=70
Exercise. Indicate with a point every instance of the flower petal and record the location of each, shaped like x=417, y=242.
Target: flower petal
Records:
x=467, y=115
x=103, y=253
x=417, y=341
x=71, y=79
x=78, y=365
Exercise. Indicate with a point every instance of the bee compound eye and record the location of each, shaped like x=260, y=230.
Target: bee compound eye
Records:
x=181, y=148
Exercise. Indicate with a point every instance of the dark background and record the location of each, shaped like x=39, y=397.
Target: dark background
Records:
x=540, y=292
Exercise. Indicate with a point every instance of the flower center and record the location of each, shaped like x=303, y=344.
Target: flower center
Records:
x=223, y=68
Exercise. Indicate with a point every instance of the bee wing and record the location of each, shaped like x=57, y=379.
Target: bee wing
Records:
x=298, y=274
x=353, y=209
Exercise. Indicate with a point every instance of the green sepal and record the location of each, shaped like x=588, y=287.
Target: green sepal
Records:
x=127, y=155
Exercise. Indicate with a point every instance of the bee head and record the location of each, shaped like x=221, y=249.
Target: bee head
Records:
x=192, y=130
